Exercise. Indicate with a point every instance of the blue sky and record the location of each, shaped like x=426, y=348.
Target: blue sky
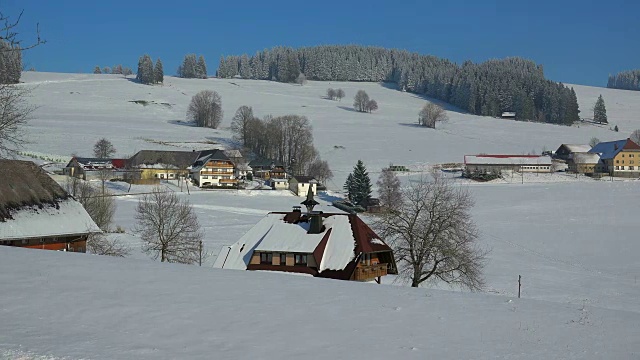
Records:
x=578, y=42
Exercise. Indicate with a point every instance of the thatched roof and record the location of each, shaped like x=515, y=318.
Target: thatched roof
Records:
x=23, y=183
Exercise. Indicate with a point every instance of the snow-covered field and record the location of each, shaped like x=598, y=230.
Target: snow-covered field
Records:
x=77, y=109
x=573, y=240
x=74, y=306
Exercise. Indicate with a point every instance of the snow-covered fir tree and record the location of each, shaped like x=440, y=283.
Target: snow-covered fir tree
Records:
x=201, y=68
x=600, y=111
x=145, y=70
x=625, y=80
x=158, y=72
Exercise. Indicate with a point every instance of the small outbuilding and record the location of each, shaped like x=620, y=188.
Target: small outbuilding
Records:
x=300, y=185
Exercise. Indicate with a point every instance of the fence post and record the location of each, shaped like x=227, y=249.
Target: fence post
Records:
x=519, y=285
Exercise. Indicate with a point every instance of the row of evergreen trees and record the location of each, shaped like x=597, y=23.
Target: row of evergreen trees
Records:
x=625, y=80
x=147, y=73
x=10, y=63
x=489, y=88
x=192, y=68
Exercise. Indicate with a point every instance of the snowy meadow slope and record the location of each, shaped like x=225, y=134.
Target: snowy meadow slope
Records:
x=77, y=109
x=75, y=306
x=574, y=242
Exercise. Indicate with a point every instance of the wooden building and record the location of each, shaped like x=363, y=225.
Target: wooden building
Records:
x=90, y=168
x=214, y=169
x=331, y=245
x=565, y=151
x=267, y=169
x=36, y=212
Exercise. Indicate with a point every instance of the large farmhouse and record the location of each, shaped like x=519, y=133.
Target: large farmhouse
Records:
x=497, y=163
x=565, y=151
x=618, y=158
x=156, y=165
x=35, y=212
x=331, y=245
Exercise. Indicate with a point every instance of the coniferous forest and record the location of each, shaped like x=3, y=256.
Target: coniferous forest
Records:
x=488, y=88
x=625, y=80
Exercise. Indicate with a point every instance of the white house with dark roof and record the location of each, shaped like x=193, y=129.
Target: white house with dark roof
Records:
x=300, y=185
x=214, y=169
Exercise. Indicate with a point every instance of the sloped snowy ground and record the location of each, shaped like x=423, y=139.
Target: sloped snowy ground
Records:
x=77, y=109
x=72, y=306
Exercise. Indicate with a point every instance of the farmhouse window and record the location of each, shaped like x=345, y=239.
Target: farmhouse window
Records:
x=617, y=167
x=283, y=259
x=617, y=161
x=630, y=167
x=301, y=259
x=266, y=258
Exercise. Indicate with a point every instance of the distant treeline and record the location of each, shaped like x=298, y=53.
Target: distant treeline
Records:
x=489, y=88
x=625, y=80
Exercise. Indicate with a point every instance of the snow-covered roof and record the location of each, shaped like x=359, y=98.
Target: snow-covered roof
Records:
x=67, y=218
x=277, y=233
x=585, y=158
x=577, y=148
x=507, y=160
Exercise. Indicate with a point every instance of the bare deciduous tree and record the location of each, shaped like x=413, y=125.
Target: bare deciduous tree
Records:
x=372, y=105
x=99, y=244
x=168, y=227
x=14, y=115
x=331, y=94
x=389, y=189
x=106, y=70
x=126, y=71
x=103, y=149
x=339, y=94
x=361, y=101
x=432, y=114
x=635, y=136
x=97, y=70
x=240, y=123
x=301, y=79
x=320, y=170
x=434, y=236
x=101, y=207
x=594, y=141
x=205, y=109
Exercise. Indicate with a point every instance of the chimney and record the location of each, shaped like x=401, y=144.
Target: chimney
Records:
x=315, y=223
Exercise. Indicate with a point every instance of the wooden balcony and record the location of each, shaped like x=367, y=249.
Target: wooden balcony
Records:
x=211, y=172
x=369, y=272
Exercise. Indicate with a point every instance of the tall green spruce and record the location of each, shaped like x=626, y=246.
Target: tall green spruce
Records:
x=358, y=184
x=488, y=88
x=600, y=111
x=158, y=72
x=145, y=73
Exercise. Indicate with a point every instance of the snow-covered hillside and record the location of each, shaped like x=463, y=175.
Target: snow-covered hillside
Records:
x=76, y=109
x=75, y=306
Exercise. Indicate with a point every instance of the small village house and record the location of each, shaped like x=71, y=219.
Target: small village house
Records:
x=499, y=163
x=331, y=245
x=583, y=163
x=36, y=212
x=89, y=168
x=214, y=169
x=618, y=158
x=565, y=151
x=300, y=185
x=242, y=170
x=151, y=166
x=279, y=184
x=266, y=169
